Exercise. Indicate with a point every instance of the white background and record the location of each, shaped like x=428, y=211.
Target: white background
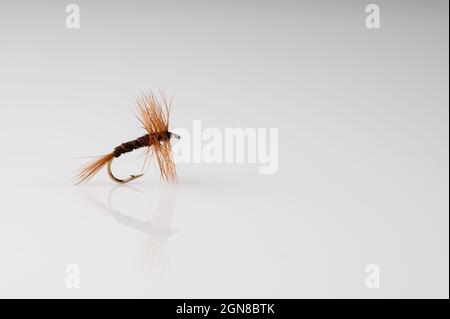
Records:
x=363, y=149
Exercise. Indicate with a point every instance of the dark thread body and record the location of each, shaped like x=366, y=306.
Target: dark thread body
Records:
x=142, y=141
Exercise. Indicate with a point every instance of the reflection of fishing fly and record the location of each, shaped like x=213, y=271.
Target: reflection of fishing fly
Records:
x=154, y=117
x=156, y=225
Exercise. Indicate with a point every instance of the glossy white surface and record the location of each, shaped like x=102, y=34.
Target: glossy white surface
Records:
x=363, y=150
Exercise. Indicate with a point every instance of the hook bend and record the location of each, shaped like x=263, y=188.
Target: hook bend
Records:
x=118, y=180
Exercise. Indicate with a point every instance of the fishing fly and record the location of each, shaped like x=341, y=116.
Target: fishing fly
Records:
x=153, y=114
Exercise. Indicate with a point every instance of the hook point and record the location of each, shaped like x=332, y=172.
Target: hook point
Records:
x=121, y=181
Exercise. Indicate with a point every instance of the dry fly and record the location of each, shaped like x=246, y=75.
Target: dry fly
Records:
x=153, y=114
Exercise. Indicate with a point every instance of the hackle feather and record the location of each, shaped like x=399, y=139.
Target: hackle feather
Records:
x=153, y=113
